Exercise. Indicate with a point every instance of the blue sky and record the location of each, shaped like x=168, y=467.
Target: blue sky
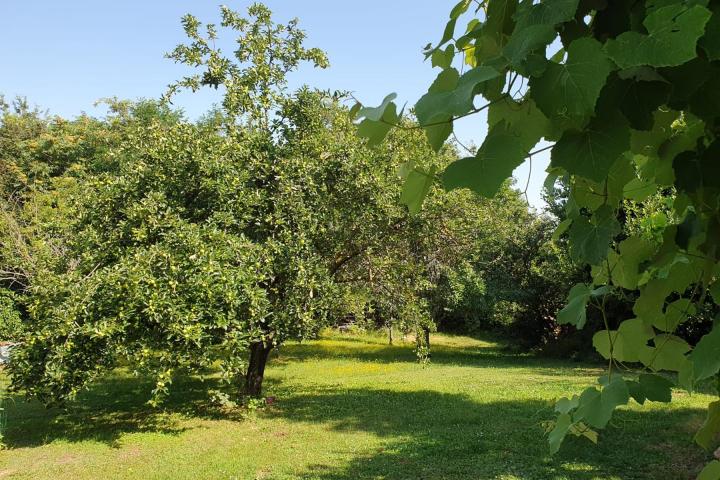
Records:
x=65, y=55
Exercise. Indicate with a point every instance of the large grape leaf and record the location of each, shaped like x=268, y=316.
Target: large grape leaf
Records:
x=667, y=354
x=378, y=120
x=633, y=252
x=567, y=92
x=558, y=433
x=574, y=311
x=626, y=343
x=596, y=407
x=673, y=33
x=527, y=40
x=705, y=437
x=548, y=12
x=710, y=472
x=416, y=187
x=590, y=238
x=706, y=355
x=501, y=152
x=592, y=152
x=439, y=104
x=522, y=117
x=711, y=41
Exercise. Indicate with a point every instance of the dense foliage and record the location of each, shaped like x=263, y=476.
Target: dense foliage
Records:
x=171, y=246
x=627, y=91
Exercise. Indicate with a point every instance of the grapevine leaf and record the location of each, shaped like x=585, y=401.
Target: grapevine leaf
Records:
x=596, y=408
x=522, y=117
x=708, y=432
x=656, y=388
x=549, y=12
x=377, y=113
x=673, y=33
x=574, y=311
x=416, y=187
x=439, y=105
x=624, y=344
x=527, y=40
x=566, y=405
x=711, y=471
x=633, y=252
x=443, y=58
x=675, y=314
x=668, y=353
x=567, y=93
x=592, y=152
x=711, y=41
x=557, y=435
x=590, y=239
x=495, y=161
x=638, y=189
x=706, y=355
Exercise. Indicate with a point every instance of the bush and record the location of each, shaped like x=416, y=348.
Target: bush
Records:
x=11, y=324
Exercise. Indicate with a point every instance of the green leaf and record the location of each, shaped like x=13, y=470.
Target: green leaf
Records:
x=501, y=152
x=416, y=187
x=548, y=12
x=438, y=134
x=633, y=252
x=668, y=353
x=710, y=472
x=590, y=238
x=376, y=131
x=706, y=437
x=460, y=8
x=706, y=355
x=574, y=311
x=673, y=33
x=651, y=300
x=443, y=58
x=439, y=105
x=636, y=392
x=637, y=100
x=561, y=228
x=711, y=41
x=656, y=388
x=557, y=435
x=522, y=117
x=566, y=405
x=675, y=314
x=628, y=342
x=596, y=408
x=567, y=93
x=377, y=113
x=638, y=189
x=592, y=152
x=527, y=40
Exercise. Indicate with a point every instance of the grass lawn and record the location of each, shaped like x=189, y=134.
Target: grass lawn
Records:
x=351, y=407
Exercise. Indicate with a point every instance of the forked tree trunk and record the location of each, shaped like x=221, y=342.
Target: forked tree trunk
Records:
x=256, y=368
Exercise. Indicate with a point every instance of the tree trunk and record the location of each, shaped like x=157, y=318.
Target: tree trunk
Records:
x=390, y=334
x=256, y=368
x=426, y=331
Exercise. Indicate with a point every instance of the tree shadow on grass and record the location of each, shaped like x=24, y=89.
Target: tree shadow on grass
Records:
x=425, y=434
x=473, y=356
x=113, y=406
x=431, y=435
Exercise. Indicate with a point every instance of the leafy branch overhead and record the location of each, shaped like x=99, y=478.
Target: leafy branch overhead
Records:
x=628, y=95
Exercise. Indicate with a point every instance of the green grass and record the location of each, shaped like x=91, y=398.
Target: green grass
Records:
x=355, y=408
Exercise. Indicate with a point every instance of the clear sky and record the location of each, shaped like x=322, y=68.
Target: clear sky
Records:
x=65, y=55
